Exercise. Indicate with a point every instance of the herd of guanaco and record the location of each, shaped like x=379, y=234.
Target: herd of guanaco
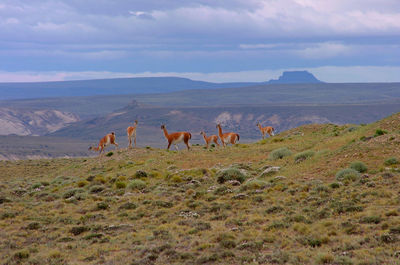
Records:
x=178, y=137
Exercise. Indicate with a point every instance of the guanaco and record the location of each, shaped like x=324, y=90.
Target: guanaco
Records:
x=227, y=138
x=209, y=139
x=106, y=140
x=268, y=129
x=131, y=132
x=177, y=137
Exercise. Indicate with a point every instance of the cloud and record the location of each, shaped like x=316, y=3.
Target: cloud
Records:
x=196, y=35
x=324, y=50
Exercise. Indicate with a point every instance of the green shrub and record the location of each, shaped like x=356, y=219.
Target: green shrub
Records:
x=359, y=166
x=334, y=185
x=140, y=174
x=254, y=185
x=137, y=184
x=109, y=154
x=68, y=194
x=77, y=230
x=279, y=153
x=391, y=161
x=230, y=174
x=120, y=185
x=6, y=215
x=22, y=254
x=102, y=206
x=324, y=258
x=304, y=155
x=347, y=174
x=96, y=189
x=371, y=219
x=33, y=226
x=128, y=206
x=379, y=132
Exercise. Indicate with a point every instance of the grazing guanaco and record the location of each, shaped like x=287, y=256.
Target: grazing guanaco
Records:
x=227, y=138
x=209, y=139
x=268, y=129
x=106, y=140
x=131, y=132
x=177, y=137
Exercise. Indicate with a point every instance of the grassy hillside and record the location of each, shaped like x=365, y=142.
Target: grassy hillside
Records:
x=276, y=201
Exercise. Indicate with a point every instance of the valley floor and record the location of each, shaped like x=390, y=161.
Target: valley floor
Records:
x=276, y=201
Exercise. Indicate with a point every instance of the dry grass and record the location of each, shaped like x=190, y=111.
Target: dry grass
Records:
x=101, y=210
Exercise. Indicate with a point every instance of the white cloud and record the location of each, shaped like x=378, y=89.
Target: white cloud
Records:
x=324, y=50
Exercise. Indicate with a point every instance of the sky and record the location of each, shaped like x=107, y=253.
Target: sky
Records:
x=211, y=40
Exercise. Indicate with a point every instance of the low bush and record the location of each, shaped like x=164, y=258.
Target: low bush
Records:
x=102, y=206
x=140, y=174
x=359, y=166
x=391, y=161
x=137, y=184
x=347, y=174
x=303, y=155
x=230, y=174
x=279, y=153
x=109, y=154
x=379, y=132
x=254, y=185
x=120, y=185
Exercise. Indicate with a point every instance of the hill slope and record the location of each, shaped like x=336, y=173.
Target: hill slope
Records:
x=150, y=206
x=241, y=119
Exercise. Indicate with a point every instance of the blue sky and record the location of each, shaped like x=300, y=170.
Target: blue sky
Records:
x=213, y=40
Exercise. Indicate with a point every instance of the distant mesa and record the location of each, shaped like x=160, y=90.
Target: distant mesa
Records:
x=295, y=77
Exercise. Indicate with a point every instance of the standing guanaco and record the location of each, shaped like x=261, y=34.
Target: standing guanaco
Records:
x=177, y=137
x=106, y=140
x=209, y=139
x=227, y=138
x=131, y=132
x=268, y=129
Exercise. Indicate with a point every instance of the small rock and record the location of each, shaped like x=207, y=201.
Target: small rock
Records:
x=270, y=170
x=189, y=214
x=195, y=183
x=279, y=178
x=212, y=188
x=234, y=182
x=240, y=196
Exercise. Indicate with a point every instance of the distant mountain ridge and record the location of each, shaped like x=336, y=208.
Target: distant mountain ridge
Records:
x=137, y=85
x=295, y=77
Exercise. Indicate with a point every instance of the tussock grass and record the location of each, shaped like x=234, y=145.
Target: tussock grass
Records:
x=279, y=153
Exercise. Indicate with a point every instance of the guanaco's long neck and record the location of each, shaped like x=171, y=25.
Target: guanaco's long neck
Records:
x=165, y=132
x=259, y=126
x=219, y=130
x=205, y=137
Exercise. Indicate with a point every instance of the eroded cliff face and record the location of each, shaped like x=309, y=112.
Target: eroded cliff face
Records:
x=38, y=122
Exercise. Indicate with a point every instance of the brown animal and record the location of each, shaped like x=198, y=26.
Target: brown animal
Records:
x=209, y=139
x=227, y=138
x=106, y=140
x=177, y=137
x=268, y=129
x=131, y=132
